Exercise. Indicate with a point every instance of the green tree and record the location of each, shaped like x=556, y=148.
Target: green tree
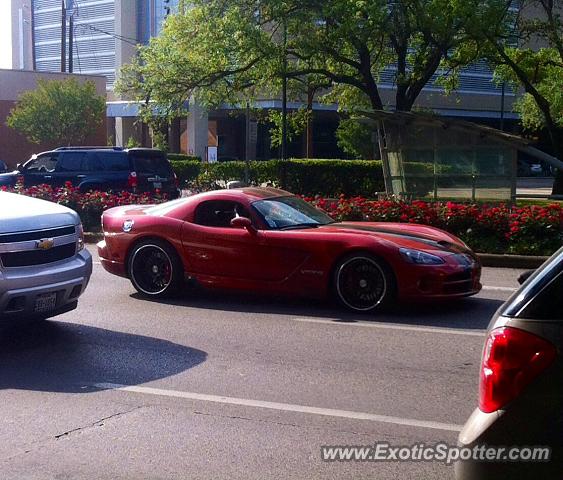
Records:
x=58, y=112
x=296, y=124
x=227, y=51
x=529, y=55
x=355, y=138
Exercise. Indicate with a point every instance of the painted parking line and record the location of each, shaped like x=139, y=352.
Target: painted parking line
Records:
x=286, y=407
x=386, y=326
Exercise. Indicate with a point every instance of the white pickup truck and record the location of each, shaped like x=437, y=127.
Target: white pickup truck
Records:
x=44, y=266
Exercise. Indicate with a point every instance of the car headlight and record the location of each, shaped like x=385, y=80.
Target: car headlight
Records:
x=80, y=241
x=420, y=258
x=464, y=259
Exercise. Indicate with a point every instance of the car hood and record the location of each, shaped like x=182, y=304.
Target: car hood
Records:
x=20, y=213
x=8, y=178
x=404, y=234
x=127, y=210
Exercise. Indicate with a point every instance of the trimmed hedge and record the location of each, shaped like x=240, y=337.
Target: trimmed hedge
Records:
x=180, y=157
x=306, y=177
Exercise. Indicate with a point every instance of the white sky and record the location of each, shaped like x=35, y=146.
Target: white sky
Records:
x=5, y=35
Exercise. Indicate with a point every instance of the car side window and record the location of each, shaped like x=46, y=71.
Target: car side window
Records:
x=72, y=162
x=94, y=163
x=219, y=213
x=548, y=304
x=42, y=164
x=114, y=161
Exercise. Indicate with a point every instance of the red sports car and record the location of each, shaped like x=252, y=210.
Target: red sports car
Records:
x=267, y=240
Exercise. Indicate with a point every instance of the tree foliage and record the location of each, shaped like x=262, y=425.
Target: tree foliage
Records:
x=355, y=138
x=225, y=51
x=528, y=53
x=296, y=125
x=58, y=112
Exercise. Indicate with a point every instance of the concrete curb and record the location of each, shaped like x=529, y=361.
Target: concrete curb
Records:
x=510, y=261
x=487, y=259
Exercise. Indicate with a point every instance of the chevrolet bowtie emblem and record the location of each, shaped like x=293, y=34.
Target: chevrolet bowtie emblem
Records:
x=45, y=244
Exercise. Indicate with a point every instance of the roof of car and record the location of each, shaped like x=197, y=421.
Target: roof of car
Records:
x=252, y=193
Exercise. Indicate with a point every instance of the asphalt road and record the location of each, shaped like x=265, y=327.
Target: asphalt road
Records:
x=234, y=387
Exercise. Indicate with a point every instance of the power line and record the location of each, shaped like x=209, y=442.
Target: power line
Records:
x=121, y=38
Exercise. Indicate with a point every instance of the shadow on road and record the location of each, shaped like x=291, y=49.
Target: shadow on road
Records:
x=464, y=313
x=64, y=357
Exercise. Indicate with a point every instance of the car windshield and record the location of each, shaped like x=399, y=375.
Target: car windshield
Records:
x=284, y=213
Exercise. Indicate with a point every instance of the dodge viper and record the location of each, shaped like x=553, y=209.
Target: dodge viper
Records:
x=270, y=241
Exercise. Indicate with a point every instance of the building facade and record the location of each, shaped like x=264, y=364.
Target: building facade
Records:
x=21, y=34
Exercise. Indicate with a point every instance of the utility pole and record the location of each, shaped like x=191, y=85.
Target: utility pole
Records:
x=247, y=146
x=284, y=94
x=63, y=37
x=502, y=106
x=70, y=42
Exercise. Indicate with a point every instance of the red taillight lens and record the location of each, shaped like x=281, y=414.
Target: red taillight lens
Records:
x=132, y=180
x=512, y=358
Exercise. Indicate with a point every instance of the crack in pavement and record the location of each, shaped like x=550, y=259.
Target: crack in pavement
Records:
x=97, y=423
x=389, y=437
x=41, y=443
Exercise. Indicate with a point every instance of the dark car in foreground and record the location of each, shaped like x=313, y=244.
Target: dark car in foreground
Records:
x=521, y=382
x=267, y=240
x=97, y=168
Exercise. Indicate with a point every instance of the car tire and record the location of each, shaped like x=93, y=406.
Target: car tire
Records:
x=363, y=283
x=155, y=269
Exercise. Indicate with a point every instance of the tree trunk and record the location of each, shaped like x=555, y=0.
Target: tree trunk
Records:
x=558, y=183
x=309, y=132
x=556, y=138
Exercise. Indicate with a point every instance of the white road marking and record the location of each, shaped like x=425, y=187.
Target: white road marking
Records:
x=499, y=289
x=452, y=331
x=287, y=407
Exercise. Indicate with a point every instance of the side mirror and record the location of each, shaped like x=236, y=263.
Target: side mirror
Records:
x=243, y=222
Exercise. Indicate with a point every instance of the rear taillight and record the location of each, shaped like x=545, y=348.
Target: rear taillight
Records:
x=132, y=180
x=176, y=181
x=512, y=358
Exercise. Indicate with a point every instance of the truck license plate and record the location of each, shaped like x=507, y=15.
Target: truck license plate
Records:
x=157, y=184
x=46, y=302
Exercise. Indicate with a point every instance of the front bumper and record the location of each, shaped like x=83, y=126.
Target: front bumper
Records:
x=440, y=282
x=110, y=265
x=20, y=287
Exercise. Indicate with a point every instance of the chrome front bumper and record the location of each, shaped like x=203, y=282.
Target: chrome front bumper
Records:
x=20, y=287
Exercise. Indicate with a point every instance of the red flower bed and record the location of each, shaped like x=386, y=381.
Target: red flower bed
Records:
x=530, y=230
x=89, y=205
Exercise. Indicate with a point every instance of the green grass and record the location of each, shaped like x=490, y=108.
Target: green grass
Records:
x=524, y=202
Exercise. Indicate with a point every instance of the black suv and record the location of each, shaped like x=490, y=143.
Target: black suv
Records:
x=96, y=168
